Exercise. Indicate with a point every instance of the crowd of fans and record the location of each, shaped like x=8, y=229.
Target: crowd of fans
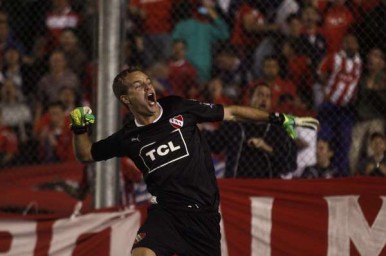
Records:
x=303, y=57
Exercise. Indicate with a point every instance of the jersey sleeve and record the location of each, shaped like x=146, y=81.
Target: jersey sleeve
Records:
x=107, y=148
x=204, y=112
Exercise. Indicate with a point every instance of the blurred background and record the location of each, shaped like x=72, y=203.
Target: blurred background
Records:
x=317, y=58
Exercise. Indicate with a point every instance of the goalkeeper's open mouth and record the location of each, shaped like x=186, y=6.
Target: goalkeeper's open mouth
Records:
x=151, y=99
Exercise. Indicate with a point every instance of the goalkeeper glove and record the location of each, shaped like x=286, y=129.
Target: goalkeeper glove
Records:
x=290, y=122
x=81, y=118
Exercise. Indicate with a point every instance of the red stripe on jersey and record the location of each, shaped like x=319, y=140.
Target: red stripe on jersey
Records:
x=341, y=86
x=339, y=65
x=349, y=93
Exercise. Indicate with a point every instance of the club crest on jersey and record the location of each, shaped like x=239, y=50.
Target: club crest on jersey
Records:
x=139, y=237
x=177, y=121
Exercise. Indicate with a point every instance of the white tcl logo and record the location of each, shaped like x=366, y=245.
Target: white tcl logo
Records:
x=160, y=153
x=162, y=150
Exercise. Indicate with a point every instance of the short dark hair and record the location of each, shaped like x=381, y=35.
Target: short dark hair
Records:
x=257, y=85
x=226, y=49
x=271, y=57
x=379, y=50
x=56, y=103
x=58, y=51
x=119, y=86
x=309, y=6
x=293, y=16
x=327, y=142
x=69, y=29
x=182, y=41
x=376, y=135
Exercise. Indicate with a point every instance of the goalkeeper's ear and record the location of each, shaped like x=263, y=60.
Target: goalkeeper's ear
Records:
x=125, y=100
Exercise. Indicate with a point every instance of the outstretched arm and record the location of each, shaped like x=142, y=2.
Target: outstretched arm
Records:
x=233, y=113
x=81, y=118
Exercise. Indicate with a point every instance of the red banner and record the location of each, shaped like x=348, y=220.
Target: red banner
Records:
x=24, y=188
x=260, y=217
x=304, y=217
x=102, y=233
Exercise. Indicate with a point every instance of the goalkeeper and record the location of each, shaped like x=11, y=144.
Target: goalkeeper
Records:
x=164, y=142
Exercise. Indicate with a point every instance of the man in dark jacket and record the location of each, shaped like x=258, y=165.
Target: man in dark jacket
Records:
x=255, y=150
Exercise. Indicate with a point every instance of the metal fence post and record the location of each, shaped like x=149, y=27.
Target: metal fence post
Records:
x=109, y=47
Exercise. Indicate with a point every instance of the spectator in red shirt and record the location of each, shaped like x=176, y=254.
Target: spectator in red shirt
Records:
x=271, y=76
x=297, y=67
x=54, y=135
x=157, y=25
x=216, y=92
x=8, y=144
x=182, y=75
x=61, y=16
x=337, y=20
x=249, y=27
x=340, y=73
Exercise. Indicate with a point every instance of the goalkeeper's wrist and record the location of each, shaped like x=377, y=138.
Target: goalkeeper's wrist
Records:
x=276, y=118
x=79, y=129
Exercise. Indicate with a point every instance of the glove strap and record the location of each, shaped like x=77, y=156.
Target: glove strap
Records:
x=276, y=118
x=79, y=129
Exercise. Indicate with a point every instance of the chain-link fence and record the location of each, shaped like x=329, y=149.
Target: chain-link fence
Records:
x=47, y=68
x=303, y=57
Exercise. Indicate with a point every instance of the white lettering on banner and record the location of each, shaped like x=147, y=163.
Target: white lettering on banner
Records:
x=123, y=234
x=67, y=231
x=261, y=225
x=346, y=222
x=23, y=234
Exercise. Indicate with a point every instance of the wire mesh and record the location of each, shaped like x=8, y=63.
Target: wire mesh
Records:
x=307, y=58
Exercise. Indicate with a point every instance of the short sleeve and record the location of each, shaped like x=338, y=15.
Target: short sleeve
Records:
x=107, y=148
x=204, y=112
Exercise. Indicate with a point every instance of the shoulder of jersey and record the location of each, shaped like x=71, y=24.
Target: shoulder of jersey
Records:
x=170, y=100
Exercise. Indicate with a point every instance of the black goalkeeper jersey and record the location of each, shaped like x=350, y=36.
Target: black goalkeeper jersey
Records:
x=171, y=152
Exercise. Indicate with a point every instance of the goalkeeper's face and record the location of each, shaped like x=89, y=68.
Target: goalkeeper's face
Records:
x=141, y=97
